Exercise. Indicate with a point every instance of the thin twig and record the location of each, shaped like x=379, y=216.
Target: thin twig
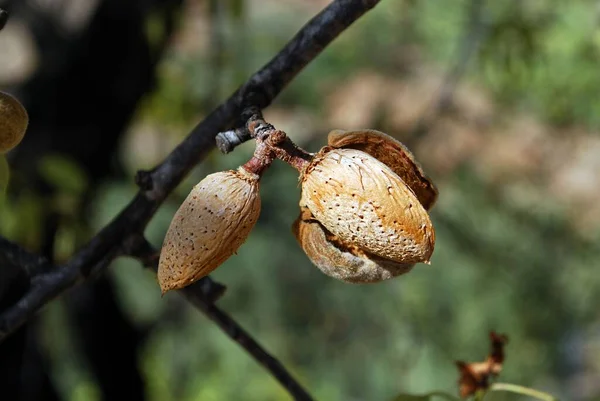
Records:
x=15, y=254
x=206, y=289
x=203, y=296
x=45, y=277
x=239, y=335
x=272, y=143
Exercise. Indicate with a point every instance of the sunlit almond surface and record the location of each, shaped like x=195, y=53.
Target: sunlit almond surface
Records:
x=346, y=263
x=210, y=225
x=393, y=154
x=364, y=203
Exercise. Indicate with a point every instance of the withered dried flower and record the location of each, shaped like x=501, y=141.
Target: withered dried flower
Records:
x=476, y=376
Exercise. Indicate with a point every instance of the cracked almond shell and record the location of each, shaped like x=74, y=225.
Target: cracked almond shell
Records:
x=335, y=259
x=210, y=225
x=392, y=153
x=363, y=203
x=13, y=122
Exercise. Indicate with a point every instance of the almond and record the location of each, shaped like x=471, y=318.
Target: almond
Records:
x=13, y=122
x=364, y=203
x=392, y=153
x=210, y=225
x=335, y=259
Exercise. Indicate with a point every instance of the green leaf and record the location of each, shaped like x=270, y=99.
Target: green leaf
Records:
x=425, y=397
x=63, y=173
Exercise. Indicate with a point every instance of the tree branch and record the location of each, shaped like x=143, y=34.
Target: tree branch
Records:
x=260, y=90
x=46, y=278
x=239, y=335
x=117, y=237
x=16, y=255
x=202, y=294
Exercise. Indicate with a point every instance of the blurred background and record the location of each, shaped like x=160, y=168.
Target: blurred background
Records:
x=499, y=102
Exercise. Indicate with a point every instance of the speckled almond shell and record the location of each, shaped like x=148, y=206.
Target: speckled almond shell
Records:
x=210, y=225
x=364, y=203
x=13, y=122
x=394, y=154
x=347, y=264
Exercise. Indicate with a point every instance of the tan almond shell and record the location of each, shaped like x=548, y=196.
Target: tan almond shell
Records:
x=210, y=225
x=347, y=264
x=394, y=154
x=13, y=122
x=364, y=203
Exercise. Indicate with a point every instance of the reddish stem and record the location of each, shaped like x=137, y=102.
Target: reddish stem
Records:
x=273, y=144
x=261, y=160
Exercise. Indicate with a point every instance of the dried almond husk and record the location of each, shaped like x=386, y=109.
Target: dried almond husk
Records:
x=210, y=225
x=363, y=203
x=394, y=154
x=344, y=262
x=13, y=122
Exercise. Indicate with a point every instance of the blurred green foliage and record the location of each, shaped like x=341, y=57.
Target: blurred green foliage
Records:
x=523, y=272
x=4, y=175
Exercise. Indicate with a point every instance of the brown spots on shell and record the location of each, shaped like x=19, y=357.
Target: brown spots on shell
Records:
x=341, y=260
x=392, y=153
x=370, y=200
x=210, y=225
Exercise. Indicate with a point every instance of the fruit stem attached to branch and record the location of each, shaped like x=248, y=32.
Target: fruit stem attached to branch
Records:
x=272, y=144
